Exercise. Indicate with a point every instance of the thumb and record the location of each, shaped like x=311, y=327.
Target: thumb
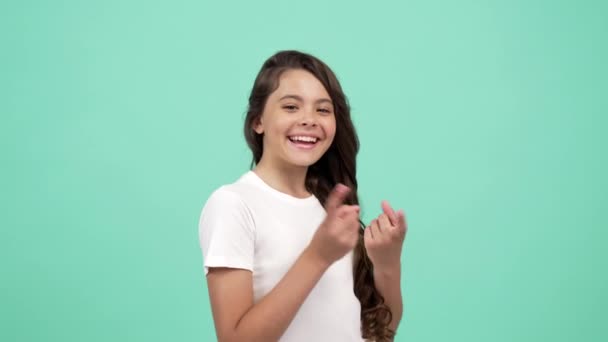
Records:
x=336, y=197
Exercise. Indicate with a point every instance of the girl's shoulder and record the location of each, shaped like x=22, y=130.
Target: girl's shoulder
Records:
x=230, y=196
x=227, y=209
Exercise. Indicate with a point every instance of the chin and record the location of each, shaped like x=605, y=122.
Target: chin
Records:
x=303, y=162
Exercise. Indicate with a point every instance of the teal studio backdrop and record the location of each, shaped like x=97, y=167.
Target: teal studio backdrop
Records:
x=485, y=120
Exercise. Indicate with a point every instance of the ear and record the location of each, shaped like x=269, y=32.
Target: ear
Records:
x=258, y=127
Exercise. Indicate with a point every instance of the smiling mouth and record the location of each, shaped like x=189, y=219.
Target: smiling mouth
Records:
x=303, y=142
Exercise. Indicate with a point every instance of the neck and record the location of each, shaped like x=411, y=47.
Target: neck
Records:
x=287, y=179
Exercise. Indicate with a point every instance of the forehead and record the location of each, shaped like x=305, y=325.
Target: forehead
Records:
x=302, y=83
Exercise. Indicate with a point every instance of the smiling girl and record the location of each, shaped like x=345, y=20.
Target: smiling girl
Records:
x=286, y=255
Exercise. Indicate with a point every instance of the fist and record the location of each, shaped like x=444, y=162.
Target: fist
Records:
x=384, y=237
x=339, y=232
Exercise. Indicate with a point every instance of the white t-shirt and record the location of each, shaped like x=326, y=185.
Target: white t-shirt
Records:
x=250, y=225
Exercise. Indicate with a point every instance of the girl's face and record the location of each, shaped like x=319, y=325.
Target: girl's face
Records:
x=298, y=121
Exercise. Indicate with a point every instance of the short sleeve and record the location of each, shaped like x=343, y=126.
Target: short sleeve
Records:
x=226, y=232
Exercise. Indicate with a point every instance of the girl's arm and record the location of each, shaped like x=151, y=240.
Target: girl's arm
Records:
x=388, y=283
x=238, y=319
x=231, y=290
x=384, y=242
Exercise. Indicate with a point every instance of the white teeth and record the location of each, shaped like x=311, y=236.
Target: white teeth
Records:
x=303, y=138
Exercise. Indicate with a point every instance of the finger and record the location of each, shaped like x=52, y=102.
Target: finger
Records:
x=352, y=221
x=384, y=222
x=402, y=223
x=367, y=234
x=368, y=231
x=376, y=229
x=388, y=210
x=336, y=197
x=347, y=211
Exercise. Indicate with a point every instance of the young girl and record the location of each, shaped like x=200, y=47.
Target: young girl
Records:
x=286, y=255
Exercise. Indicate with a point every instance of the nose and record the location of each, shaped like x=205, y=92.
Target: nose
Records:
x=308, y=118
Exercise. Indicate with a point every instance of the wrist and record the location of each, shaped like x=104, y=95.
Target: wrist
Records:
x=315, y=258
x=388, y=271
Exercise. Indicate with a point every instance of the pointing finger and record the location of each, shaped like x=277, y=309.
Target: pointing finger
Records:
x=388, y=210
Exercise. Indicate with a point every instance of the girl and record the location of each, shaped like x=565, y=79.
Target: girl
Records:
x=285, y=254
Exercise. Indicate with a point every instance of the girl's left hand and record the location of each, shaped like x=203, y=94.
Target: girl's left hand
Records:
x=383, y=238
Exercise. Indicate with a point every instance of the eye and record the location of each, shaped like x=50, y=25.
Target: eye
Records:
x=327, y=111
x=290, y=107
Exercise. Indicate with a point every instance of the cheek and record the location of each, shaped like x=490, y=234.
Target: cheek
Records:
x=330, y=128
x=277, y=126
x=278, y=132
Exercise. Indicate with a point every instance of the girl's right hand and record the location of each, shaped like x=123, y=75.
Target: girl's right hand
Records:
x=339, y=232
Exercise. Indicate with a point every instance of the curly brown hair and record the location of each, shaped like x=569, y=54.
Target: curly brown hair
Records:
x=337, y=165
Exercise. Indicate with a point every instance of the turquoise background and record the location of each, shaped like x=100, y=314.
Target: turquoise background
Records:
x=485, y=120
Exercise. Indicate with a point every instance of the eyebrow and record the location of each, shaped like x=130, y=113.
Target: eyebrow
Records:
x=299, y=98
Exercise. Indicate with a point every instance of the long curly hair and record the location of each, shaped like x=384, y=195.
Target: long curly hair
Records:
x=337, y=165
